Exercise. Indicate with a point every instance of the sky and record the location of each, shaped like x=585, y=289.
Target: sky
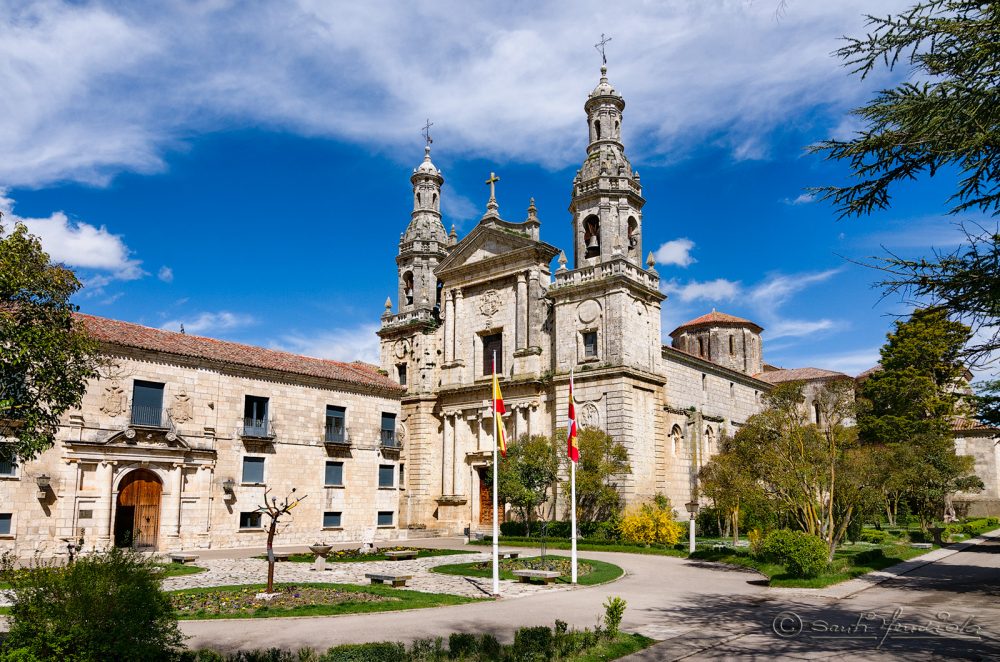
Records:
x=243, y=168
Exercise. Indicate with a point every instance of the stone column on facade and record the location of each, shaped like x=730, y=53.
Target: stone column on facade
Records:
x=106, y=479
x=173, y=514
x=456, y=352
x=480, y=423
x=447, y=449
x=532, y=303
x=206, y=474
x=521, y=328
x=531, y=419
x=449, y=326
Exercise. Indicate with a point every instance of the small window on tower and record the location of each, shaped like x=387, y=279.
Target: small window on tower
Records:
x=732, y=346
x=633, y=233
x=492, y=346
x=590, y=344
x=401, y=370
x=408, y=287
x=592, y=236
x=597, y=128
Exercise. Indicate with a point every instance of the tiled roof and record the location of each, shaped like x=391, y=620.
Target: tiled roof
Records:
x=799, y=375
x=969, y=424
x=870, y=371
x=715, y=318
x=125, y=334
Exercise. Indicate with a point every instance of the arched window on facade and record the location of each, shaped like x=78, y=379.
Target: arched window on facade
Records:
x=701, y=347
x=675, y=437
x=817, y=414
x=732, y=345
x=597, y=129
x=408, y=287
x=709, y=441
x=633, y=233
x=592, y=236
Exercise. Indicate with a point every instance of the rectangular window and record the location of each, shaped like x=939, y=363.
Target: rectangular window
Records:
x=402, y=476
x=335, y=430
x=250, y=520
x=7, y=518
x=7, y=469
x=147, y=404
x=590, y=345
x=385, y=518
x=492, y=345
x=386, y=472
x=255, y=417
x=388, y=429
x=732, y=346
x=334, y=474
x=86, y=514
x=401, y=371
x=331, y=520
x=253, y=470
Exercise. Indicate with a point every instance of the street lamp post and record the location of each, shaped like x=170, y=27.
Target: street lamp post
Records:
x=692, y=508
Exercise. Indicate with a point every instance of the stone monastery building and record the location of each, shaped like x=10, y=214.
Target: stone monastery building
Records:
x=173, y=446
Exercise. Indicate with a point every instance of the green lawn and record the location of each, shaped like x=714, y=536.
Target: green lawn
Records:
x=844, y=566
x=661, y=550
x=624, y=644
x=393, y=599
x=600, y=572
x=178, y=570
x=352, y=556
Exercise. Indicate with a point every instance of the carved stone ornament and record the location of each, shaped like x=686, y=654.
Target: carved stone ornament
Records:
x=181, y=409
x=402, y=348
x=401, y=432
x=489, y=303
x=113, y=399
x=590, y=417
x=130, y=434
x=588, y=311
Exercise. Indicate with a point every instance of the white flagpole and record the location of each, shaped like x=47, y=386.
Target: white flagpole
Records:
x=572, y=493
x=496, y=481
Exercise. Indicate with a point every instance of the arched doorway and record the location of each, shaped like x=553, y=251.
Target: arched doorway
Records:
x=137, y=514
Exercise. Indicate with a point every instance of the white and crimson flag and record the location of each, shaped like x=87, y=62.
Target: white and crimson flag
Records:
x=498, y=411
x=572, y=447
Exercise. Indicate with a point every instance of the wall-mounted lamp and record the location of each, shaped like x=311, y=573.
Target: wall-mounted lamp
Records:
x=43, y=482
x=228, y=485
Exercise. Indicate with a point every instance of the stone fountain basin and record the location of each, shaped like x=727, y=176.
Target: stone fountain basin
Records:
x=320, y=550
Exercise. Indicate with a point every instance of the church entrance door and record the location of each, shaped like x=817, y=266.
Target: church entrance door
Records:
x=137, y=514
x=486, y=500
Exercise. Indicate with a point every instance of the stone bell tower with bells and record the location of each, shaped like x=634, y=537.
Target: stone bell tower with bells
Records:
x=607, y=196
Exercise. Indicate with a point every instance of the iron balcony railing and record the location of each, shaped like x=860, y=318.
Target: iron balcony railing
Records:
x=149, y=417
x=257, y=428
x=335, y=434
x=389, y=439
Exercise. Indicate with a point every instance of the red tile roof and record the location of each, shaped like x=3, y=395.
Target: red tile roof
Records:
x=970, y=424
x=125, y=334
x=799, y=375
x=716, y=318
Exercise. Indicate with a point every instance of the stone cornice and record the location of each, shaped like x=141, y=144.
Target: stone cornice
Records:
x=673, y=354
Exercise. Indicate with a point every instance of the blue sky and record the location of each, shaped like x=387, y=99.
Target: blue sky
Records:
x=243, y=168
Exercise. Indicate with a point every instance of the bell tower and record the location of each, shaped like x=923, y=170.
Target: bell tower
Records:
x=425, y=242
x=607, y=196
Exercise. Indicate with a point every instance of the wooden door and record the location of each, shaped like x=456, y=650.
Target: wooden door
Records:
x=486, y=501
x=138, y=496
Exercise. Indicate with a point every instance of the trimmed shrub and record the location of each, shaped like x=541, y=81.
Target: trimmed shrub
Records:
x=462, y=644
x=532, y=643
x=869, y=556
x=614, y=610
x=802, y=555
x=976, y=526
x=650, y=523
x=106, y=606
x=874, y=536
x=379, y=651
x=490, y=648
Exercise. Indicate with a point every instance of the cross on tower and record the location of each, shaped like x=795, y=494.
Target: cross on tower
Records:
x=491, y=181
x=600, y=48
x=426, y=132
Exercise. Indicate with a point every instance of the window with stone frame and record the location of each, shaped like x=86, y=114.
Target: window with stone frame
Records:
x=492, y=346
x=402, y=476
x=147, y=404
x=386, y=475
x=590, y=344
x=331, y=519
x=385, y=518
x=388, y=430
x=253, y=470
x=8, y=469
x=250, y=520
x=333, y=475
x=401, y=373
x=335, y=419
x=6, y=521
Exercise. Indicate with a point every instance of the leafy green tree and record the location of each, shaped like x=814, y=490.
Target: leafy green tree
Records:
x=527, y=475
x=909, y=410
x=945, y=116
x=46, y=356
x=603, y=464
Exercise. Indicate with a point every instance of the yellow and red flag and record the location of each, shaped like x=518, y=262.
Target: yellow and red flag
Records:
x=498, y=411
x=572, y=446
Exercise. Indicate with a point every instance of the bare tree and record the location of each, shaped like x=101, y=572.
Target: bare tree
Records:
x=273, y=510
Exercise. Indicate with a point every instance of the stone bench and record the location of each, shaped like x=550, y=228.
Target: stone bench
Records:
x=401, y=554
x=183, y=558
x=525, y=576
x=382, y=577
x=282, y=556
x=921, y=545
x=508, y=554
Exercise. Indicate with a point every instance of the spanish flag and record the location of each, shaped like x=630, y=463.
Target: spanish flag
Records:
x=498, y=411
x=573, y=447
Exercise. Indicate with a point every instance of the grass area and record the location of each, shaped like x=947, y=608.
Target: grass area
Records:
x=624, y=644
x=844, y=567
x=586, y=546
x=369, y=599
x=598, y=572
x=179, y=570
x=352, y=555
x=4, y=610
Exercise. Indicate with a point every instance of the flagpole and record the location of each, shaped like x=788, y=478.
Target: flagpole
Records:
x=496, y=481
x=572, y=496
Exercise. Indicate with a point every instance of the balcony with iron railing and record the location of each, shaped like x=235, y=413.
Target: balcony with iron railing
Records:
x=257, y=428
x=388, y=439
x=144, y=416
x=336, y=435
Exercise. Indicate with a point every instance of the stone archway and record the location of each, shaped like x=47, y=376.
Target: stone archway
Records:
x=137, y=511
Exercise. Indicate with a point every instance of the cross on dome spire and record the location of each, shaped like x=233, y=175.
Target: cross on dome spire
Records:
x=600, y=48
x=426, y=132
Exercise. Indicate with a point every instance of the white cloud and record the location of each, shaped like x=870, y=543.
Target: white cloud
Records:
x=719, y=289
x=792, y=328
x=676, y=251
x=852, y=362
x=93, y=89
x=345, y=344
x=776, y=289
x=802, y=199
x=207, y=323
x=166, y=274
x=79, y=245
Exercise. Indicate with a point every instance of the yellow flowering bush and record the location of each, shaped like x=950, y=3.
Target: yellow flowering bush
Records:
x=650, y=523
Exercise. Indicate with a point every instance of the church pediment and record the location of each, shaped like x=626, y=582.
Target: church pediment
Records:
x=140, y=438
x=494, y=240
